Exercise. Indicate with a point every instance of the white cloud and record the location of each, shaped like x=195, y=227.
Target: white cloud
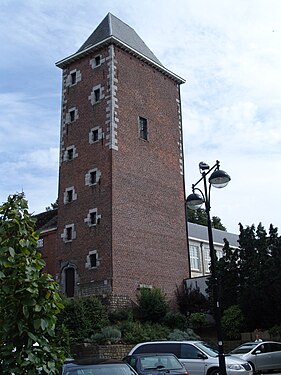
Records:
x=229, y=52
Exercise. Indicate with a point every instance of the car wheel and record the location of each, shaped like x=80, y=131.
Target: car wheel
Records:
x=214, y=371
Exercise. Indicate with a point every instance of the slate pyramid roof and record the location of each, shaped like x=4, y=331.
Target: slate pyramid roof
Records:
x=113, y=30
x=113, y=26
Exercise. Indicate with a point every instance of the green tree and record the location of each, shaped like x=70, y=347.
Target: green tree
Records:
x=233, y=322
x=190, y=300
x=29, y=298
x=228, y=274
x=152, y=305
x=199, y=216
x=250, y=276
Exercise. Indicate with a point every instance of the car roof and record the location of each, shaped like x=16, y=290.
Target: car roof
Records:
x=170, y=342
x=260, y=342
x=91, y=361
x=151, y=354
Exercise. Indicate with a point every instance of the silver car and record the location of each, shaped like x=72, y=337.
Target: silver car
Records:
x=265, y=355
x=198, y=357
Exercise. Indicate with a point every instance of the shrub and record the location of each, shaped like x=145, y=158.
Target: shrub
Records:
x=108, y=335
x=178, y=335
x=175, y=320
x=83, y=317
x=120, y=315
x=233, y=322
x=198, y=320
x=152, y=305
x=275, y=332
x=134, y=332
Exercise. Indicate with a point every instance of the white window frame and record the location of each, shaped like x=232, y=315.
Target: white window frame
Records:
x=78, y=78
x=88, y=260
x=66, y=195
x=194, y=253
x=65, y=231
x=93, y=62
x=88, y=220
x=74, y=111
x=88, y=177
x=92, y=97
x=99, y=131
x=66, y=153
x=206, y=259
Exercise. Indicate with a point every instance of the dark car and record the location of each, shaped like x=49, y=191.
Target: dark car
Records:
x=93, y=366
x=263, y=356
x=156, y=364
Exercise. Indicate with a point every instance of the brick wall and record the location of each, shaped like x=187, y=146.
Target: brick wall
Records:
x=141, y=236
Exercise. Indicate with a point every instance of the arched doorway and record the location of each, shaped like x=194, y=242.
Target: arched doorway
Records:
x=69, y=281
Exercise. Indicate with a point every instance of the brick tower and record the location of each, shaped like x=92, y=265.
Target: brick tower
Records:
x=121, y=217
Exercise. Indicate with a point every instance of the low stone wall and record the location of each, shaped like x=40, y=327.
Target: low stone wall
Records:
x=101, y=351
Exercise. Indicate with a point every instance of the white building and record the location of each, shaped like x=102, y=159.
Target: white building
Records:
x=199, y=251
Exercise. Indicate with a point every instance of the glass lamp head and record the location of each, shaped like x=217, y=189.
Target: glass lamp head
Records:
x=219, y=179
x=194, y=201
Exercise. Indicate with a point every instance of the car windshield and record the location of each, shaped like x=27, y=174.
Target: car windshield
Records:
x=207, y=348
x=165, y=362
x=109, y=369
x=245, y=348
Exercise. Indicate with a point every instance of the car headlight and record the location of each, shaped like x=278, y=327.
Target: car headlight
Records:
x=234, y=366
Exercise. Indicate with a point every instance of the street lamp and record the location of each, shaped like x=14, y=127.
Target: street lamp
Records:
x=218, y=179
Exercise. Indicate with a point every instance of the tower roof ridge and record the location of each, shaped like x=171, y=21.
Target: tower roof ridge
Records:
x=112, y=26
x=113, y=30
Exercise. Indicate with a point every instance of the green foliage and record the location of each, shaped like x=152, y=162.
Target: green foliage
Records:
x=133, y=332
x=152, y=305
x=233, y=322
x=199, y=216
x=253, y=276
x=29, y=299
x=191, y=300
x=178, y=335
x=108, y=335
x=120, y=315
x=175, y=320
x=275, y=332
x=198, y=320
x=83, y=317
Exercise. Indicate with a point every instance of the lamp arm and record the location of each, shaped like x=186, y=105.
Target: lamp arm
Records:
x=204, y=174
x=201, y=192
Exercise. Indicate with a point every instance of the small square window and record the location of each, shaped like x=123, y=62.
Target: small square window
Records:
x=143, y=131
x=97, y=95
x=93, y=260
x=69, y=195
x=93, y=177
x=93, y=218
x=69, y=234
x=72, y=115
x=70, y=154
x=73, y=78
x=97, y=60
x=95, y=135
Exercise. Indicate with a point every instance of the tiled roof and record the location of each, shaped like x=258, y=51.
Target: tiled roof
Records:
x=46, y=220
x=200, y=232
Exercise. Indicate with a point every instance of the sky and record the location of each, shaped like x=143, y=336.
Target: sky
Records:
x=229, y=53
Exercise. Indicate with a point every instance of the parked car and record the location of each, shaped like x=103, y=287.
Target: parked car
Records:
x=88, y=366
x=198, y=357
x=153, y=364
x=264, y=355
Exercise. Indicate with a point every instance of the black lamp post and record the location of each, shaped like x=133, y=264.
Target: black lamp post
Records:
x=218, y=179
